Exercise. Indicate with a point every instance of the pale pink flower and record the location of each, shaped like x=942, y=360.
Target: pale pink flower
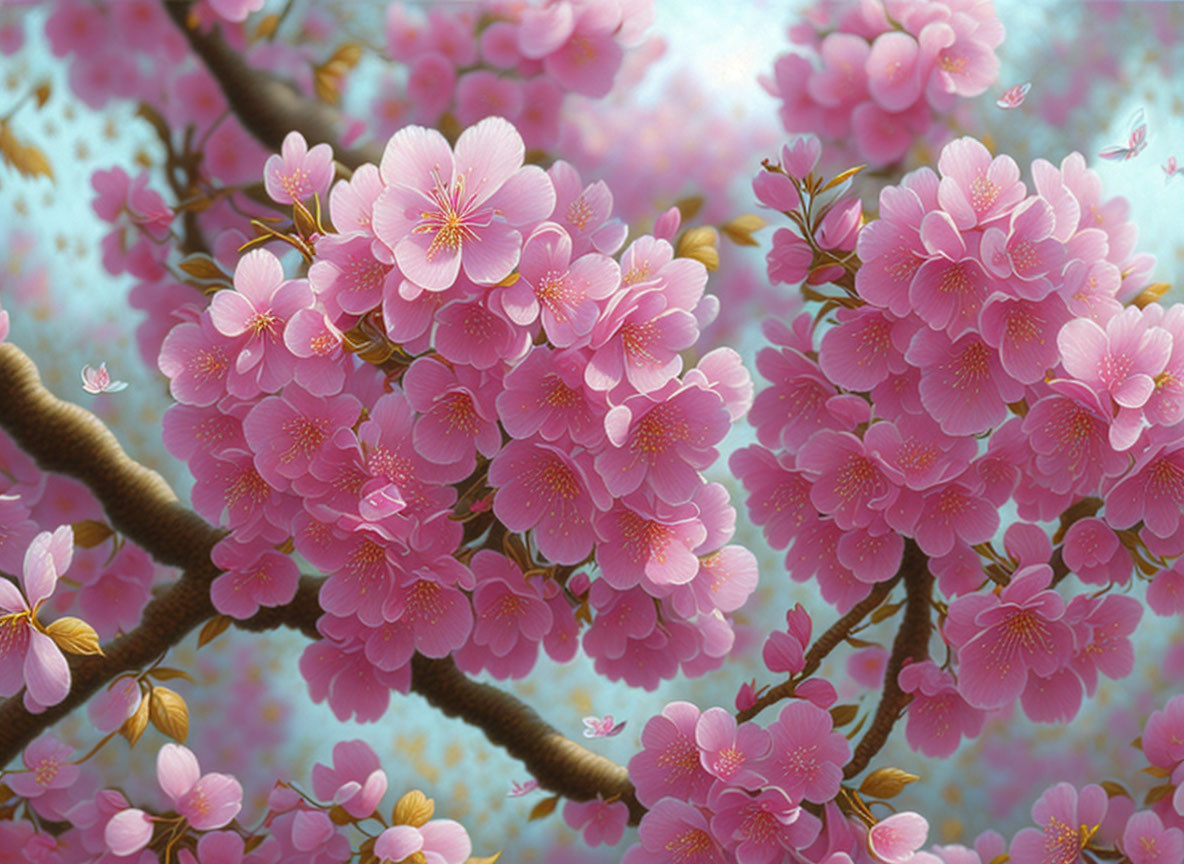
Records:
x=559, y=290
x=259, y=308
x=440, y=841
x=48, y=767
x=863, y=349
x=471, y=333
x=1001, y=638
x=662, y=443
x=576, y=42
x=1018, y=327
x=894, y=840
x=963, y=384
x=28, y=657
x=441, y=209
x=1027, y=250
x=96, y=381
x=484, y=93
x=938, y=716
x=347, y=277
x=457, y=408
x=595, y=727
x=431, y=83
x=601, y=821
x=1013, y=97
x=585, y=211
x=1146, y=841
x=1068, y=430
x=762, y=828
x=649, y=540
x=672, y=824
x=198, y=359
x=351, y=202
x=557, y=494
x=974, y=187
x=206, y=801
x=298, y=174
x=1060, y=812
x=807, y=755
x=545, y=394
x=356, y=781
x=728, y=752
x=668, y=764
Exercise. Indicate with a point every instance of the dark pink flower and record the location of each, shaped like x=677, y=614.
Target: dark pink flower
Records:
x=356, y=781
x=807, y=755
x=601, y=821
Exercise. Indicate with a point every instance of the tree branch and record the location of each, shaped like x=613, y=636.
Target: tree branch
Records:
x=141, y=506
x=912, y=643
x=825, y=643
x=267, y=106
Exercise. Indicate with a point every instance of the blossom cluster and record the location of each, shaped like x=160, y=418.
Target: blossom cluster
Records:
x=869, y=435
x=879, y=74
x=202, y=822
x=524, y=412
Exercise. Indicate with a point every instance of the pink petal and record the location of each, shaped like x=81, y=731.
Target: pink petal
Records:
x=128, y=832
x=177, y=770
x=46, y=673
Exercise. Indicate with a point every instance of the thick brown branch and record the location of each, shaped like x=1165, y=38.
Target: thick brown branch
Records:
x=66, y=438
x=823, y=645
x=267, y=106
x=912, y=643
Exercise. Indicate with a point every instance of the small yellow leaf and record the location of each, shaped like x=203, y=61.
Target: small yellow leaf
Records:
x=1001, y=858
x=886, y=782
x=329, y=77
x=843, y=714
x=842, y=178
x=168, y=673
x=338, y=815
x=492, y=859
x=544, y=808
x=1114, y=790
x=25, y=158
x=5, y=793
x=267, y=27
x=169, y=714
x=203, y=267
x=1138, y=743
x=689, y=207
x=42, y=93
x=1156, y=771
x=89, y=533
x=1158, y=793
x=885, y=611
x=740, y=229
x=1153, y=293
x=701, y=245
x=133, y=727
x=414, y=809
x=74, y=636
x=213, y=628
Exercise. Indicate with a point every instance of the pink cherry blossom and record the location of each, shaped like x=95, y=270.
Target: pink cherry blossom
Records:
x=297, y=174
x=356, y=781
x=938, y=716
x=545, y=394
x=443, y=209
x=48, y=767
x=28, y=657
x=96, y=381
x=1060, y=812
x=668, y=764
x=1000, y=639
x=440, y=841
x=849, y=482
x=259, y=308
x=1146, y=841
x=807, y=755
x=1093, y=551
x=894, y=840
x=974, y=187
x=542, y=487
x=641, y=539
x=1152, y=491
x=727, y=751
x=524, y=788
x=674, y=832
x=963, y=384
x=255, y=577
x=606, y=727
x=601, y=821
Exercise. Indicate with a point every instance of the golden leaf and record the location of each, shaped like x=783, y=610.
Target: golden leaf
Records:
x=168, y=673
x=544, y=808
x=689, y=207
x=203, y=267
x=492, y=859
x=1138, y=743
x=5, y=793
x=701, y=245
x=740, y=229
x=842, y=178
x=330, y=75
x=1152, y=294
x=213, y=628
x=885, y=611
x=843, y=714
x=1158, y=793
x=133, y=727
x=1001, y=858
x=267, y=27
x=42, y=93
x=25, y=158
x=1156, y=771
x=74, y=636
x=414, y=809
x=338, y=815
x=1114, y=790
x=886, y=782
x=169, y=714
x=89, y=533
